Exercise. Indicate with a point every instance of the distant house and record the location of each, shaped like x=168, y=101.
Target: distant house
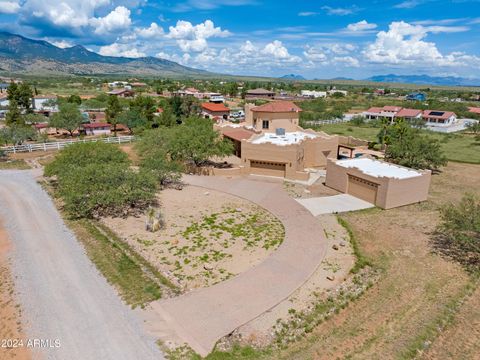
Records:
x=45, y=104
x=375, y=113
x=379, y=92
x=259, y=94
x=473, y=110
x=124, y=93
x=213, y=110
x=44, y=128
x=3, y=88
x=313, y=94
x=439, y=118
x=416, y=96
x=409, y=114
x=3, y=100
x=335, y=91
x=216, y=98
x=138, y=84
x=96, y=129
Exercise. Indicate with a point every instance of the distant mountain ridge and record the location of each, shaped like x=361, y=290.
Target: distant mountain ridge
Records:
x=292, y=77
x=22, y=55
x=425, y=80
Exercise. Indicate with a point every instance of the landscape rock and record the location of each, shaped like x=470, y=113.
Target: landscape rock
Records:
x=208, y=266
x=331, y=277
x=343, y=243
x=335, y=247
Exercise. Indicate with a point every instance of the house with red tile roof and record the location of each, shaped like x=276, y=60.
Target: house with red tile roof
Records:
x=474, y=110
x=215, y=110
x=439, y=118
x=409, y=114
x=273, y=115
x=375, y=113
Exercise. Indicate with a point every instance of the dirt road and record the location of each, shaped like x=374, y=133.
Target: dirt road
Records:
x=63, y=296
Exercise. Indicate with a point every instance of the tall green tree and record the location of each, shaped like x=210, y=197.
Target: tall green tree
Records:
x=113, y=110
x=132, y=119
x=24, y=97
x=146, y=106
x=13, y=115
x=68, y=118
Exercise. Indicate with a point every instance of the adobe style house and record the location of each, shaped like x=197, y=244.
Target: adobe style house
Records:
x=214, y=110
x=272, y=116
x=287, y=154
x=375, y=113
x=384, y=184
x=259, y=94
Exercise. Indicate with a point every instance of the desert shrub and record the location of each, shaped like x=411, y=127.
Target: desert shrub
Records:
x=95, y=179
x=458, y=235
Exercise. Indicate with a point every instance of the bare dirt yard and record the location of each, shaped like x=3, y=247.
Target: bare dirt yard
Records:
x=10, y=311
x=422, y=306
x=208, y=236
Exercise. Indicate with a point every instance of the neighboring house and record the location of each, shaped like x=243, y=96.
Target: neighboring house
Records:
x=273, y=115
x=416, y=96
x=215, y=98
x=44, y=128
x=409, y=114
x=96, y=129
x=45, y=104
x=3, y=100
x=213, y=110
x=124, y=93
x=259, y=94
x=335, y=91
x=375, y=113
x=473, y=110
x=138, y=84
x=380, y=183
x=3, y=88
x=313, y=94
x=439, y=118
x=118, y=84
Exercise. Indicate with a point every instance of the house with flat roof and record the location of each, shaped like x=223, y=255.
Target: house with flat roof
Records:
x=381, y=183
x=259, y=94
x=273, y=115
x=213, y=110
x=287, y=154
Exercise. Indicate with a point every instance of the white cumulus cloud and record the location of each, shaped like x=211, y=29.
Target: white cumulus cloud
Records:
x=9, y=7
x=117, y=49
x=117, y=19
x=361, y=26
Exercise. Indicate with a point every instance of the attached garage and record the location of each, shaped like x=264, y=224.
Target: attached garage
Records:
x=362, y=189
x=267, y=168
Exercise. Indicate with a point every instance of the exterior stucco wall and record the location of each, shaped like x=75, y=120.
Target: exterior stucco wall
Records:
x=318, y=150
x=288, y=121
x=391, y=192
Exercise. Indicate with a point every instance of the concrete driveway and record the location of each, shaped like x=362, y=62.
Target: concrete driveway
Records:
x=61, y=292
x=202, y=317
x=334, y=204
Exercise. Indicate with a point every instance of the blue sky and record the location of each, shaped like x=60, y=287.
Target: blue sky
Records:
x=317, y=39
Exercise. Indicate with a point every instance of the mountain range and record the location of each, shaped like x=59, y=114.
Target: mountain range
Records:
x=292, y=77
x=425, y=80
x=21, y=55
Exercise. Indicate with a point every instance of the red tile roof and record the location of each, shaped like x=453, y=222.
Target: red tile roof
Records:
x=277, y=106
x=408, y=113
x=444, y=114
x=238, y=134
x=96, y=125
x=215, y=107
x=475, y=110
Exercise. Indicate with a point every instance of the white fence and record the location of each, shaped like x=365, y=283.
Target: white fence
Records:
x=58, y=145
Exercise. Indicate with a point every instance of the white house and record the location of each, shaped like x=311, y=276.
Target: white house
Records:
x=97, y=129
x=335, y=91
x=42, y=103
x=313, y=94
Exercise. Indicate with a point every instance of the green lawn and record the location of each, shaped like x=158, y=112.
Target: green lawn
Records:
x=459, y=147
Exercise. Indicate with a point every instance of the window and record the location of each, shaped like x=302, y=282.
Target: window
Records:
x=265, y=124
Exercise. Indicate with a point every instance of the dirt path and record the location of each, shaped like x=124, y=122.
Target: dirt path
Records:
x=63, y=296
x=10, y=313
x=204, y=316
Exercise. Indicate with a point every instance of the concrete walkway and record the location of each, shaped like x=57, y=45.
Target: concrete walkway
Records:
x=334, y=204
x=202, y=317
x=63, y=296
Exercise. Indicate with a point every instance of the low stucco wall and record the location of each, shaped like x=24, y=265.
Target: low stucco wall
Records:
x=391, y=192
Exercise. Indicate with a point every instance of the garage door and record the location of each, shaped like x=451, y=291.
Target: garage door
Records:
x=267, y=168
x=363, y=189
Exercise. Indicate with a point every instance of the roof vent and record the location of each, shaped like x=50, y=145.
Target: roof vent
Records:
x=280, y=131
